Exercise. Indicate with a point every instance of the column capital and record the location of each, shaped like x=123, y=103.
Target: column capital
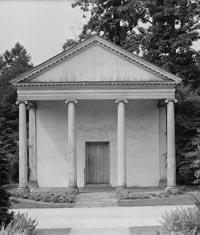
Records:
x=121, y=100
x=31, y=105
x=171, y=100
x=21, y=101
x=71, y=101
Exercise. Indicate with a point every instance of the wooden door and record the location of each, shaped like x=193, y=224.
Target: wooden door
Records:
x=97, y=163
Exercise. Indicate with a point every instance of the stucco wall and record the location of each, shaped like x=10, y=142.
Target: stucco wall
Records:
x=97, y=121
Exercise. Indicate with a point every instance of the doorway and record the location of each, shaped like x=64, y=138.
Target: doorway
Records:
x=97, y=163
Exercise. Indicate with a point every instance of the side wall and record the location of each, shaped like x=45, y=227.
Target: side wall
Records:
x=97, y=121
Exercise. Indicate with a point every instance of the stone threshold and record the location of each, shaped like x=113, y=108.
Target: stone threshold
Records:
x=96, y=188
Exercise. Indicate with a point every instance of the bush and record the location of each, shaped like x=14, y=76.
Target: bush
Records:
x=20, y=225
x=188, y=139
x=57, y=197
x=5, y=215
x=181, y=221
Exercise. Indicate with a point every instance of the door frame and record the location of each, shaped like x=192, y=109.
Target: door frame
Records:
x=85, y=169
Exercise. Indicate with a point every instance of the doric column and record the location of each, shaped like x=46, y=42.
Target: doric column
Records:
x=23, y=169
x=163, y=142
x=72, y=158
x=32, y=146
x=121, y=143
x=171, y=154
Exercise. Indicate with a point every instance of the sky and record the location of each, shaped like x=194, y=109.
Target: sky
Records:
x=41, y=26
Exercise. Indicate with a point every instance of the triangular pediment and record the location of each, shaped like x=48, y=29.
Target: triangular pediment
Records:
x=96, y=60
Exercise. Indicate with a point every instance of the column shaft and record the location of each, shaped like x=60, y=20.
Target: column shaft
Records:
x=171, y=155
x=121, y=145
x=23, y=169
x=72, y=158
x=163, y=143
x=32, y=144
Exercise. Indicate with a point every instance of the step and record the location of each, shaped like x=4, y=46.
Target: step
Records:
x=100, y=231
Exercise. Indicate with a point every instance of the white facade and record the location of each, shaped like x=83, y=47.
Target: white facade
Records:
x=97, y=121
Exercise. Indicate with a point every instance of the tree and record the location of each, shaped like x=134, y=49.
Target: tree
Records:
x=162, y=32
x=69, y=43
x=187, y=135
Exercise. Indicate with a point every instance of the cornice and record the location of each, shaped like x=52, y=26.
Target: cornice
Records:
x=91, y=83
x=100, y=84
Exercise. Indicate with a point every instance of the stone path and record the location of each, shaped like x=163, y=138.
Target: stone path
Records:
x=101, y=231
x=98, y=220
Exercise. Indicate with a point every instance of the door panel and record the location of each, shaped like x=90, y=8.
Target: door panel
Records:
x=97, y=163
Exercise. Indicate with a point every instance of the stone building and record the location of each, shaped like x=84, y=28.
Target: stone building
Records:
x=98, y=115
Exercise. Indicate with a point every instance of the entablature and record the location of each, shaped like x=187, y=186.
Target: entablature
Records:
x=95, y=94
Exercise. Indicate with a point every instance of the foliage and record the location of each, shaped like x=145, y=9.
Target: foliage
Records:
x=184, y=221
x=20, y=225
x=5, y=215
x=69, y=43
x=4, y=178
x=188, y=137
x=57, y=197
x=12, y=63
x=181, y=221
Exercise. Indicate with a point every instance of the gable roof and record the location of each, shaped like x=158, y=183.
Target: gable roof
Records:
x=26, y=77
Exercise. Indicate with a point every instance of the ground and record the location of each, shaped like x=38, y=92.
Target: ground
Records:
x=96, y=213
x=99, y=220
x=108, y=199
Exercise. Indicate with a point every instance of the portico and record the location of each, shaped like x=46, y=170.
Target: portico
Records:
x=81, y=123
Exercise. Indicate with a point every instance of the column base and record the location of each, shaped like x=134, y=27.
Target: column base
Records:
x=172, y=189
x=32, y=185
x=122, y=192
x=163, y=183
x=74, y=189
x=23, y=189
x=121, y=188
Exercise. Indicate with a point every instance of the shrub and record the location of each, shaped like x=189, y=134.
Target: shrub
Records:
x=188, y=139
x=181, y=222
x=20, y=225
x=5, y=215
x=57, y=197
